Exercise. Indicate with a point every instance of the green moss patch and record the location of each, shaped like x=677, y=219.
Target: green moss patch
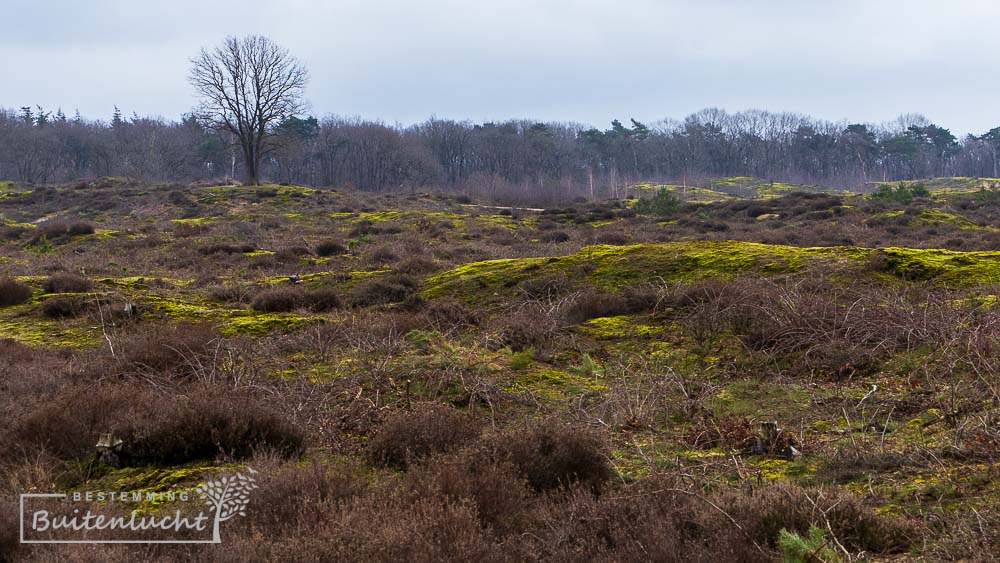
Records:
x=614, y=267
x=553, y=383
x=621, y=326
x=946, y=266
x=936, y=216
x=760, y=399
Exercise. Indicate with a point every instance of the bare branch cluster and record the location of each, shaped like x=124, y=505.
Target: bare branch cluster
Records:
x=247, y=86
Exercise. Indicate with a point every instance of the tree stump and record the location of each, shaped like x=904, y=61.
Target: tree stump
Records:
x=109, y=450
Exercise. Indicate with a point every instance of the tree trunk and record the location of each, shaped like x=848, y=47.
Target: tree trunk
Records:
x=251, y=161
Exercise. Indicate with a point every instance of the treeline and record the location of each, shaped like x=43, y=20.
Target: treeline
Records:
x=507, y=160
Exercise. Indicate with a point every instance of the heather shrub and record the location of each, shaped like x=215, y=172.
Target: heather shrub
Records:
x=292, y=496
x=448, y=314
x=80, y=228
x=545, y=287
x=330, y=248
x=14, y=351
x=383, y=290
x=241, y=294
x=204, y=422
x=501, y=496
x=10, y=541
x=382, y=255
x=528, y=327
x=66, y=283
x=225, y=248
x=322, y=299
x=416, y=266
x=290, y=255
x=277, y=300
x=550, y=455
x=783, y=506
x=57, y=229
x=593, y=304
x=554, y=236
x=210, y=422
x=407, y=437
x=290, y=298
x=182, y=350
x=65, y=306
x=13, y=292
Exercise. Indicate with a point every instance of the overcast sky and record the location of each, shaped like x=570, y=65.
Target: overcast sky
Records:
x=585, y=61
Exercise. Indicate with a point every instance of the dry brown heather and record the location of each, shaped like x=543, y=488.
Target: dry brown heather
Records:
x=596, y=394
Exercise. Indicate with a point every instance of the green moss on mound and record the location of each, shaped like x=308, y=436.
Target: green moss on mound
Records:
x=614, y=267
x=945, y=266
x=933, y=216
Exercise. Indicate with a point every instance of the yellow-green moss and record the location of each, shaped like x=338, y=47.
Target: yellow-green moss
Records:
x=782, y=469
x=604, y=223
x=259, y=324
x=143, y=282
x=943, y=186
x=614, y=267
x=378, y=216
x=946, y=266
x=691, y=194
x=621, y=326
x=759, y=399
x=35, y=331
x=12, y=223
x=553, y=383
x=195, y=220
x=937, y=216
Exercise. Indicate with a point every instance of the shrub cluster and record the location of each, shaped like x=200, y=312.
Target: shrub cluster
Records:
x=66, y=283
x=330, y=248
x=408, y=437
x=13, y=292
x=384, y=289
x=290, y=298
x=203, y=423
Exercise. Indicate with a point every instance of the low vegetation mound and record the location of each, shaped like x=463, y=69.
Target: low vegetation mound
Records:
x=616, y=267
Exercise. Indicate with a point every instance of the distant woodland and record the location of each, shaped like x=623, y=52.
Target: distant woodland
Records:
x=513, y=159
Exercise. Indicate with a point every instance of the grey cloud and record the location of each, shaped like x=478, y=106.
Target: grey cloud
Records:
x=583, y=61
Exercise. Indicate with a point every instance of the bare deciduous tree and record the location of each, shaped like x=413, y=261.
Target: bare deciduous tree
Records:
x=248, y=85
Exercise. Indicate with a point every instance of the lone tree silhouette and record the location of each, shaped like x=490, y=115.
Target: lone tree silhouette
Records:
x=229, y=497
x=248, y=85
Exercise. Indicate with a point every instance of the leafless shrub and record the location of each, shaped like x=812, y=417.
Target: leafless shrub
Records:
x=407, y=437
x=163, y=352
x=277, y=300
x=66, y=283
x=384, y=289
x=13, y=292
x=159, y=428
x=449, y=314
x=591, y=304
x=242, y=294
x=500, y=494
x=64, y=306
x=551, y=454
x=330, y=248
x=533, y=326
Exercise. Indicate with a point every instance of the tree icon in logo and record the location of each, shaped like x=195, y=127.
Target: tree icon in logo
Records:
x=228, y=496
